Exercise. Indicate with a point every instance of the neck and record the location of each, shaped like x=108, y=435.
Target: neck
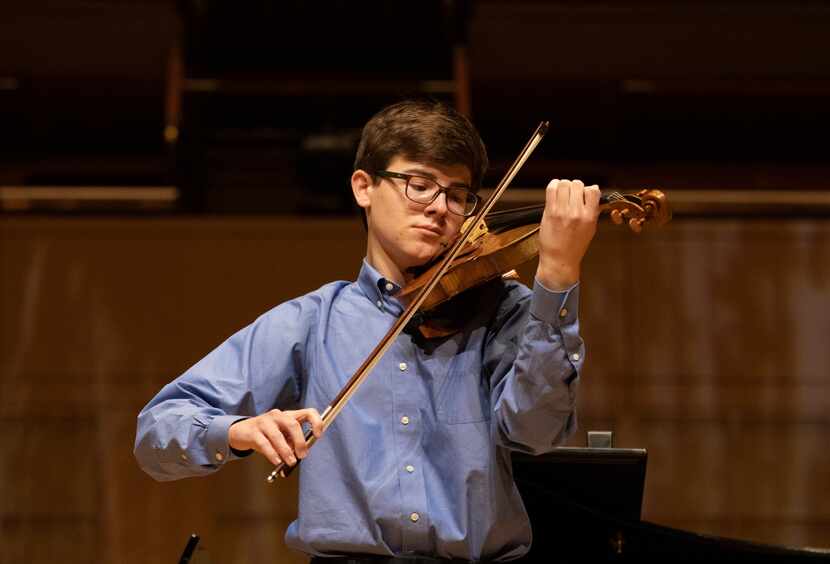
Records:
x=385, y=265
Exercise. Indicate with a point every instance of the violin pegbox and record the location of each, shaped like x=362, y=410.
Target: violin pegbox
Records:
x=645, y=206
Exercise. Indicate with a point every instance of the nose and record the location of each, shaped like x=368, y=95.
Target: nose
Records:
x=438, y=206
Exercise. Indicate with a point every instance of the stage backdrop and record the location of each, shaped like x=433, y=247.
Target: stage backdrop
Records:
x=707, y=345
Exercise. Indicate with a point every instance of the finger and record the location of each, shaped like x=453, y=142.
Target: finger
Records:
x=277, y=439
x=577, y=199
x=313, y=417
x=563, y=194
x=592, y=197
x=550, y=193
x=293, y=431
x=263, y=446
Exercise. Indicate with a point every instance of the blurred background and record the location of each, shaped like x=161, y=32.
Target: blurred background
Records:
x=170, y=170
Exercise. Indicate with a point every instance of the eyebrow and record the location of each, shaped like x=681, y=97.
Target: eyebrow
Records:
x=427, y=174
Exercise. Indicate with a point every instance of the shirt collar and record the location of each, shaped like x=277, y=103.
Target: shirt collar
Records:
x=373, y=285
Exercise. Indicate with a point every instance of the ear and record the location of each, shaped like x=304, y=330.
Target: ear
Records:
x=361, y=186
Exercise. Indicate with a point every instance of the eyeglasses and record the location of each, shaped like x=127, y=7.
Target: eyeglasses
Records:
x=423, y=190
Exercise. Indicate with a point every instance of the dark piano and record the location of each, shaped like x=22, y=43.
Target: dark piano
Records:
x=584, y=506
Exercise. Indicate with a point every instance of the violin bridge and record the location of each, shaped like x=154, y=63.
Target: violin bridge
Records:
x=479, y=231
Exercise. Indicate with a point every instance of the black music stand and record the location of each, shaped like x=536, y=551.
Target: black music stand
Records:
x=579, y=499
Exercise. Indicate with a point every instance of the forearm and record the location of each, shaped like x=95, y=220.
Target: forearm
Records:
x=177, y=439
x=183, y=431
x=535, y=401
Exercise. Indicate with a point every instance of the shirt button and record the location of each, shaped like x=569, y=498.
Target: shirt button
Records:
x=410, y=468
x=380, y=304
x=575, y=357
x=563, y=312
x=405, y=420
x=219, y=456
x=402, y=366
x=414, y=517
x=389, y=286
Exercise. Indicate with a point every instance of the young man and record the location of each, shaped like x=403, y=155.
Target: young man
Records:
x=418, y=463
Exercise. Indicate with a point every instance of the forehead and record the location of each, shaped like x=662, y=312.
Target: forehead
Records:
x=457, y=174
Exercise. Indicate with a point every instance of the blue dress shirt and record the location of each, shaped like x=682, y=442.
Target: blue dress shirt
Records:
x=418, y=462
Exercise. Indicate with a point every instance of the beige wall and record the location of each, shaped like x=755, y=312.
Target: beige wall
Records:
x=707, y=344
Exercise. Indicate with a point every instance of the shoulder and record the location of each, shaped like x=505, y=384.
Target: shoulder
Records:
x=489, y=305
x=514, y=295
x=292, y=322
x=312, y=304
x=514, y=289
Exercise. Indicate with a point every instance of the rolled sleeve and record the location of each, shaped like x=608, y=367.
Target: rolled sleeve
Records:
x=547, y=305
x=535, y=399
x=216, y=439
x=561, y=311
x=183, y=431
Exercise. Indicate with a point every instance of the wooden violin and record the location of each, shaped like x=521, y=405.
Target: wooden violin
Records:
x=507, y=239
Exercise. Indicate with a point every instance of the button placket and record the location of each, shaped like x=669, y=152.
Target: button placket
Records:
x=408, y=394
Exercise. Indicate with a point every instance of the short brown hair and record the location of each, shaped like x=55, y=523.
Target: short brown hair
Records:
x=424, y=131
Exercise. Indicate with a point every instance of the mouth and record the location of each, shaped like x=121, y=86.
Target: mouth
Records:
x=435, y=231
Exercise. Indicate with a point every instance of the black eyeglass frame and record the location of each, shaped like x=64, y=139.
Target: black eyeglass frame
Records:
x=441, y=189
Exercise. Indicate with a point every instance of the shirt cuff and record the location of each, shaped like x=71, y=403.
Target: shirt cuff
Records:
x=557, y=308
x=216, y=439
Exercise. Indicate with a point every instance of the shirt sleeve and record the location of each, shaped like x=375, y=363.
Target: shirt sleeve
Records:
x=535, y=355
x=183, y=431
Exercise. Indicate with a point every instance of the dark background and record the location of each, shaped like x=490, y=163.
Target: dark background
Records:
x=266, y=99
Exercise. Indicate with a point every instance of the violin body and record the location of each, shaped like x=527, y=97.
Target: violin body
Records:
x=496, y=252
x=486, y=258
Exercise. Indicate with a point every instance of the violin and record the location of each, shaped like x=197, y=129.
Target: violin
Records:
x=476, y=242
x=507, y=239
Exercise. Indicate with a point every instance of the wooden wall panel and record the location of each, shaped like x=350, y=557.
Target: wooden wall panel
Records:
x=706, y=340
x=97, y=315
x=49, y=492
x=723, y=374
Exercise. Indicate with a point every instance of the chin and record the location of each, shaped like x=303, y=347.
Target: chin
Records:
x=423, y=254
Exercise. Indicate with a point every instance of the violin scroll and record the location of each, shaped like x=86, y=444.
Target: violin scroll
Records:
x=645, y=206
